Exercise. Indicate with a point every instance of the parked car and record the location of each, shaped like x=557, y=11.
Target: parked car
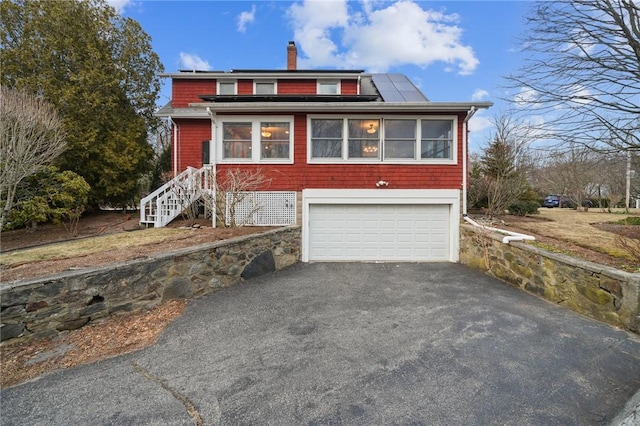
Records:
x=558, y=201
x=563, y=201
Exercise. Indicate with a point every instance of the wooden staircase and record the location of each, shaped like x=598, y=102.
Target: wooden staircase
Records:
x=167, y=202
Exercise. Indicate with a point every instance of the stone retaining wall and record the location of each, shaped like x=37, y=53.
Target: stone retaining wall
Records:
x=598, y=291
x=46, y=306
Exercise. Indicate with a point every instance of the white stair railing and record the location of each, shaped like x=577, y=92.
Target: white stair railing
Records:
x=167, y=202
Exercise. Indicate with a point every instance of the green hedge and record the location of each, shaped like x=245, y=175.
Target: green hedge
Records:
x=524, y=207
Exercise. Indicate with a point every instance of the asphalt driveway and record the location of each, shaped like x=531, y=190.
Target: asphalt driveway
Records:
x=361, y=344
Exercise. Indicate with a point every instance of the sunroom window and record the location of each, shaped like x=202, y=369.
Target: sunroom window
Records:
x=436, y=139
x=236, y=140
x=326, y=138
x=255, y=139
x=399, y=139
x=394, y=140
x=274, y=140
x=364, y=138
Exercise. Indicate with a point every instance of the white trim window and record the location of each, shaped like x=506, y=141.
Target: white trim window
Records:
x=255, y=139
x=265, y=88
x=429, y=139
x=436, y=140
x=328, y=87
x=227, y=87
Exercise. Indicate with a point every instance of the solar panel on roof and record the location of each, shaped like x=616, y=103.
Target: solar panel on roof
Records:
x=397, y=88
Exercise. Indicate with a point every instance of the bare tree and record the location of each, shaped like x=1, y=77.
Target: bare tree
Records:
x=583, y=72
x=31, y=137
x=612, y=174
x=576, y=172
x=500, y=174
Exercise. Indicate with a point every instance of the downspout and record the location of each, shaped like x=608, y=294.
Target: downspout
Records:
x=511, y=236
x=175, y=147
x=358, y=87
x=465, y=141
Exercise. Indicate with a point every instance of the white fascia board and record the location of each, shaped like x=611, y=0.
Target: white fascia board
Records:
x=183, y=113
x=344, y=106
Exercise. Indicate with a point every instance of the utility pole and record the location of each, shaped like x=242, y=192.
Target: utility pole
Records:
x=628, y=194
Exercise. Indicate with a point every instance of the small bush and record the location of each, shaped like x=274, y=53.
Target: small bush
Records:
x=50, y=195
x=524, y=207
x=626, y=241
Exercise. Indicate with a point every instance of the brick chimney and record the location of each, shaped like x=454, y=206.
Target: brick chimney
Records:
x=292, y=56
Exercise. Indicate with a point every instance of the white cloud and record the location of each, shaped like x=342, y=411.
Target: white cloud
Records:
x=480, y=122
x=525, y=97
x=479, y=94
x=330, y=34
x=246, y=18
x=120, y=5
x=579, y=94
x=190, y=61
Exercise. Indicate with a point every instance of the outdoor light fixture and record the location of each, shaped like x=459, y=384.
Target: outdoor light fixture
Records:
x=382, y=183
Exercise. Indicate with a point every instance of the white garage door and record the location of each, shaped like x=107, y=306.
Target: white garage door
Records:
x=373, y=232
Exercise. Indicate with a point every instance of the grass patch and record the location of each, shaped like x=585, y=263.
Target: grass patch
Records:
x=549, y=247
x=88, y=246
x=629, y=220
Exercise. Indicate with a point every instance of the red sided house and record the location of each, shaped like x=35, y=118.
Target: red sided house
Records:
x=371, y=169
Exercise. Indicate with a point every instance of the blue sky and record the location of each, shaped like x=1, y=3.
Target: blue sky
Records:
x=452, y=50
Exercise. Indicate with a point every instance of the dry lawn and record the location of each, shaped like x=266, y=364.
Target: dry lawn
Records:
x=582, y=229
x=90, y=246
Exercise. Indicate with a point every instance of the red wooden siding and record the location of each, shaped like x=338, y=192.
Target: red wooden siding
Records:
x=187, y=91
x=300, y=175
x=191, y=133
x=349, y=87
x=184, y=92
x=245, y=87
x=297, y=87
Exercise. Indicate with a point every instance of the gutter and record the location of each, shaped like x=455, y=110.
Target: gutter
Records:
x=511, y=236
x=356, y=107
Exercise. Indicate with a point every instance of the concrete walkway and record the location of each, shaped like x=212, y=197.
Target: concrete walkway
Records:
x=354, y=344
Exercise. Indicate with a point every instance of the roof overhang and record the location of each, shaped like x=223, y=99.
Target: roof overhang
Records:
x=200, y=110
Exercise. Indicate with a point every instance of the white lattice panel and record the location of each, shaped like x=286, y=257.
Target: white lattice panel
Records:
x=262, y=208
